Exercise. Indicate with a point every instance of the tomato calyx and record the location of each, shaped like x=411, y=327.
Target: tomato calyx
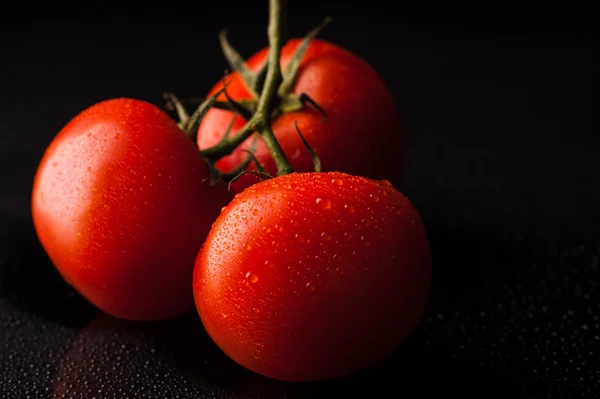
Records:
x=286, y=101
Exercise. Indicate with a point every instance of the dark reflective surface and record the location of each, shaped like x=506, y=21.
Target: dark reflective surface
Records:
x=502, y=164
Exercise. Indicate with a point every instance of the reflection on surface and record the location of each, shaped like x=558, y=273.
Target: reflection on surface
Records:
x=176, y=358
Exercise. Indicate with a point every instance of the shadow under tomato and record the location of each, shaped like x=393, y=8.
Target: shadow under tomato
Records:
x=411, y=371
x=29, y=279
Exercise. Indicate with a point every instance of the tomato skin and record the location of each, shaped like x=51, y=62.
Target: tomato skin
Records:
x=363, y=134
x=312, y=276
x=120, y=207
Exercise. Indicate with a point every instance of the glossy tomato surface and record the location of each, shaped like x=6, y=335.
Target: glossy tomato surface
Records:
x=120, y=206
x=311, y=276
x=363, y=134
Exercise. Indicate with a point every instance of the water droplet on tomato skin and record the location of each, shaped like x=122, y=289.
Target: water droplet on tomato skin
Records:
x=311, y=286
x=253, y=278
x=324, y=203
x=337, y=182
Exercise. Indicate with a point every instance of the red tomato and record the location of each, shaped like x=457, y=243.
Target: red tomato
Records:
x=363, y=134
x=311, y=276
x=120, y=206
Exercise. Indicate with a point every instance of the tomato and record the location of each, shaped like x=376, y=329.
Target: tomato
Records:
x=311, y=276
x=363, y=134
x=120, y=206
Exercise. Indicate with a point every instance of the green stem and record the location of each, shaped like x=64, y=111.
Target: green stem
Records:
x=273, y=80
x=226, y=146
x=261, y=120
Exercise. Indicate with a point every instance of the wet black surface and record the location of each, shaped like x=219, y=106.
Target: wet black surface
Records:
x=502, y=165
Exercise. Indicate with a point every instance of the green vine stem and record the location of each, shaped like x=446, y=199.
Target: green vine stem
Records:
x=261, y=120
x=273, y=80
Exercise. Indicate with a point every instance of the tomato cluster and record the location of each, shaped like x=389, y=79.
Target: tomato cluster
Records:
x=303, y=275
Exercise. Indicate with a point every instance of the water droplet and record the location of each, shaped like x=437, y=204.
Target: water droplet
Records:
x=349, y=208
x=256, y=310
x=261, y=220
x=337, y=181
x=324, y=203
x=255, y=212
x=375, y=198
x=287, y=187
x=300, y=188
x=267, y=229
x=224, y=315
x=311, y=286
x=253, y=278
x=279, y=228
x=248, y=247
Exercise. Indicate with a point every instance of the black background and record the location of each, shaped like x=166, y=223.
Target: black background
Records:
x=500, y=104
